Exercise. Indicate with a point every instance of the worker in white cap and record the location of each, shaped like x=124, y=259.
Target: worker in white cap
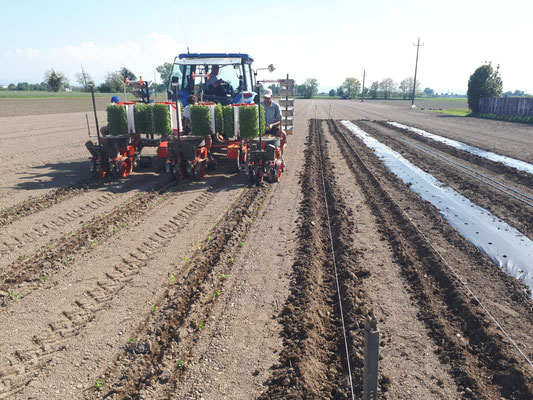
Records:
x=273, y=118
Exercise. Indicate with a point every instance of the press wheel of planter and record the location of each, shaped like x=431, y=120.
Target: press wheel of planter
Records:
x=235, y=165
x=278, y=168
x=103, y=170
x=200, y=169
x=126, y=167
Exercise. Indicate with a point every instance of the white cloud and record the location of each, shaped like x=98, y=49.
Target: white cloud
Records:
x=142, y=57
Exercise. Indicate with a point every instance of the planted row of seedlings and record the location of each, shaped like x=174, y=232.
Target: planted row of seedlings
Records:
x=483, y=363
x=33, y=205
x=32, y=269
x=24, y=364
x=155, y=356
x=313, y=363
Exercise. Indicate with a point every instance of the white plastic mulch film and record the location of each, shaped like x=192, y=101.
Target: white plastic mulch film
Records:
x=504, y=245
x=511, y=162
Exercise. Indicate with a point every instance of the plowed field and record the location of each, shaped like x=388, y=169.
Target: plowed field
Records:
x=145, y=289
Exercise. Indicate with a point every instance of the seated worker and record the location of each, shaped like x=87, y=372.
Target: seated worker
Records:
x=273, y=118
x=214, y=85
x=192, y=99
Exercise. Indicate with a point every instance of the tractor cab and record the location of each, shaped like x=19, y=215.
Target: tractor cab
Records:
x=213, y=77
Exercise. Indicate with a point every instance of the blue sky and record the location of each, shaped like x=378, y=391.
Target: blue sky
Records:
x=326, y=40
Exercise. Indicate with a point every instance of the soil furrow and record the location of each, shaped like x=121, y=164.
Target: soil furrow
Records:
x=313, y=363
x=483, y=364
x=27, y=362
x=508, y=209
x=150, y=367
x=510, y=174
x=62, y=253
x=19, y=242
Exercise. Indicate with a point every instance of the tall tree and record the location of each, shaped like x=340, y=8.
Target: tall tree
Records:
x=428, y=92
x=55, y=80
x=374, y=90
x=126, y=73
x=484, y=82
x=164, y=72
x=309, y=88
x=332, y=93
x=84, y=79
x=352, y=87
x=387, y=87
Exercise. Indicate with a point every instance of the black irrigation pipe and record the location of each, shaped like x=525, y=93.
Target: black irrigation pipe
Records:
x=463, y=282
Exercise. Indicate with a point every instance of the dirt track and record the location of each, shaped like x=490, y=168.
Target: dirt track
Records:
x=142, y=289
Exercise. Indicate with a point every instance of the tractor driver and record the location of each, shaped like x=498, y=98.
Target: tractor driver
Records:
x=273, y=118
x=213, y=84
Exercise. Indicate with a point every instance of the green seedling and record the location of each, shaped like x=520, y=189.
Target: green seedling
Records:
x=104, y=215
x=87, y=225
x=173, y=278
x=14, y=296
x=225, y=276
x=44, y=278
x=95, y=242
x=99, y=383
x=241, y=243
x=198, y=246
x=186, y=259
x=251, y=220
x=142, y=211
x=216, y=293
x=154, y=308
x=131, y=340
x=115, y=229
x=230, y=259
x=181, y=364
x=201, y=326
x=69, y=260
x=142, y=194
x=26, y=257
x=69, y=234
x=123, y=225
x=49, y=246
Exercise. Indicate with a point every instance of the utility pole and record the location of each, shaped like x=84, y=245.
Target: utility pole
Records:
x=416, y=67
x=363, y=91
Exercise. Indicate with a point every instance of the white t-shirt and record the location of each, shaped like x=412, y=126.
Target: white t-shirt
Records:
x=187, y=112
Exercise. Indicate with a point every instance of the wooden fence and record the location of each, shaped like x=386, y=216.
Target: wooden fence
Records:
x=507, y=106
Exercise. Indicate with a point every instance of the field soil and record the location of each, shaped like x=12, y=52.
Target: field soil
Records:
x=144, y=289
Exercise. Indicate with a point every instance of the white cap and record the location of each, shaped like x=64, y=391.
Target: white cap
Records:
x=267, y=93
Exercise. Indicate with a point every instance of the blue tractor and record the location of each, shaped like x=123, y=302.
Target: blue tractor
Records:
x=225, y=78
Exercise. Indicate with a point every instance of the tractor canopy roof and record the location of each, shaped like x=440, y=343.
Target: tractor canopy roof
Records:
x=213, y=58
